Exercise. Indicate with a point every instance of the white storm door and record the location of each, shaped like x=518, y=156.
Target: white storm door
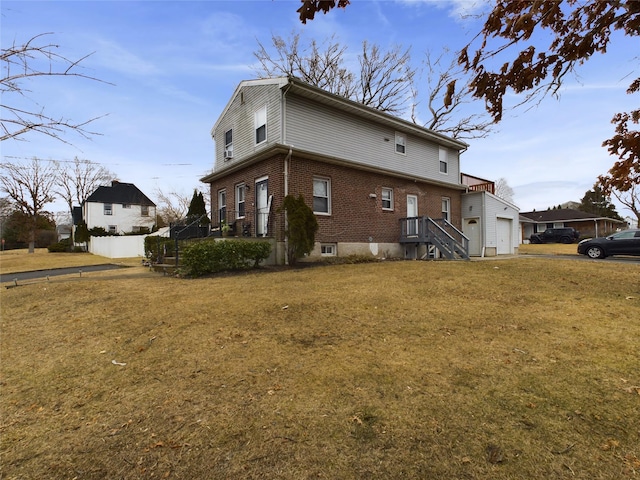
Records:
x=262, y=208
x=412, y=211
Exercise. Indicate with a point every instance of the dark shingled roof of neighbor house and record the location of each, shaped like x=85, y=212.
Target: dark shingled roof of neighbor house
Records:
x=119, y=192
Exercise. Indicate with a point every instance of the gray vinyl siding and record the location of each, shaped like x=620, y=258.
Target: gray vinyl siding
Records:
x=490, y=209
x=317, y=128
x=240, y=117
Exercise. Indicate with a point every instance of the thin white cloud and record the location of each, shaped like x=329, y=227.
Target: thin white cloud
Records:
x=458, y=9
x=112, y=56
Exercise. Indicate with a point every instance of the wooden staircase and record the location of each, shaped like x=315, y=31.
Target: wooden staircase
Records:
x=442, y=239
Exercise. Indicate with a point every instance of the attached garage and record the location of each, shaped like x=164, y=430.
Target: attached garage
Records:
x=490, y=223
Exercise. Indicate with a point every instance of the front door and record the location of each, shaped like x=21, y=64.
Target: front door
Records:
x=262, y=208
x=412, y=214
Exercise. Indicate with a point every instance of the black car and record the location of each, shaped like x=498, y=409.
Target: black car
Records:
x=556, y=235
x=626, y=242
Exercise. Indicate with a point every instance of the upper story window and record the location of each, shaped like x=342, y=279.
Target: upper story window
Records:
x=222, y=206
x=387, y=198
x=444, y=161
x=126, y=205
x=322, y=196
x=108, y=209
x=240, y=203
x=144, y=210
x=401, y=143
x=261, y=125
x=228, y=144
x=446, y=208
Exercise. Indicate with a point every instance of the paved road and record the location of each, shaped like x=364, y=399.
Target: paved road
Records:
x=10, y=277
x=620, y=259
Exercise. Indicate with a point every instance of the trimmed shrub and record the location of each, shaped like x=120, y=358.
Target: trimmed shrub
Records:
x=210, y=256
x=63, y=245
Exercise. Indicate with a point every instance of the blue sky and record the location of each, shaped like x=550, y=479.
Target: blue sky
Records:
x=174, y=65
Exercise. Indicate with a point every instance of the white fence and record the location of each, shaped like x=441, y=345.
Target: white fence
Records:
x=118, y=247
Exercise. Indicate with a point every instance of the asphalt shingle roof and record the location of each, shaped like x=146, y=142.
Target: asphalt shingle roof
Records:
x=564, y=214
x=118, y=192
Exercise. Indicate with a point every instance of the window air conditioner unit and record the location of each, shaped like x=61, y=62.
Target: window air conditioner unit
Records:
x=228, y=154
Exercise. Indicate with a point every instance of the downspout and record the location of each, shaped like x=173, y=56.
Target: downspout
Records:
x=484, y=226
x=287, y=159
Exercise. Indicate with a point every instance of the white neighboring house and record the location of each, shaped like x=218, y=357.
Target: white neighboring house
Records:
x=120, y=208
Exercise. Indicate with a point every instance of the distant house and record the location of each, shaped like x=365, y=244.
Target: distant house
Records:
x=119, y=208
x=378, y=184
x=587, y=224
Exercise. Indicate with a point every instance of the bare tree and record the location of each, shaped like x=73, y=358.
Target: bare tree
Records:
x=630, y=199
x=503, y=190
x=384, y=80
x=450, y=111
x=172, y=206
x=322, y=68
x=79, y=179
x=30, y=187
x=6, y=207
x=25, y=62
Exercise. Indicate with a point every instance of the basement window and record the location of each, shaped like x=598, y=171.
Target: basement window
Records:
x=328, y=249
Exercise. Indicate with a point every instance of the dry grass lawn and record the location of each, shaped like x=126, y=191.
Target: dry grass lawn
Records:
x=13, y=261
x=548, y=249
x=519, y=368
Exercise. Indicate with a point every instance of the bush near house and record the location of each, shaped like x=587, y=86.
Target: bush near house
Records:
x=302, y=227
x=63, y=245
x=202, y=258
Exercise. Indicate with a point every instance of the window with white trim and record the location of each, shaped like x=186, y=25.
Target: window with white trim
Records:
x=444, y=161
x=401, y=143
x=108, y=209
x=387, y=198
x=240, y=196
x=446, y=208
x=322, y=196
x=328, y=249
x=261, y=125
x=144, y=210
x=113, y=229
x=222, y=205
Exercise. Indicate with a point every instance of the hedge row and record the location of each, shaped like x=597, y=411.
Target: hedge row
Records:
x=205, y=257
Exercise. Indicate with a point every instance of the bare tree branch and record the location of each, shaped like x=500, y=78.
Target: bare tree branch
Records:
x=172, y=206
x=79, y=179
x=31, y=60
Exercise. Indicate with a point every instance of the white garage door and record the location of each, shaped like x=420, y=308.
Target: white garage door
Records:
x=504, y=244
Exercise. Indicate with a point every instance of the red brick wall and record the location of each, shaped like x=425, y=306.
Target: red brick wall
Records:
x=354, y=215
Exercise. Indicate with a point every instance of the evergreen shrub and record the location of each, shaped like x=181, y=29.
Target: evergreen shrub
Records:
x=210, y=256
